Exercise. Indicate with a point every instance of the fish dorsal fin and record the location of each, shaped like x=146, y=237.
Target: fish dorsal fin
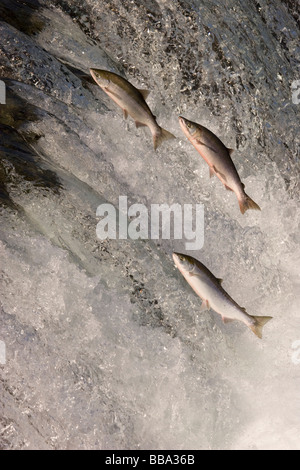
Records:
x=230, y=151
x=244, y=310
x=144, y=93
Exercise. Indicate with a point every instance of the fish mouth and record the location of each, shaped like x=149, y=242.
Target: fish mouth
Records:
x=178, y=256
x=175, y=257
x=183, y=123
x=103, y=82
x=93, y=73
x=188, y=127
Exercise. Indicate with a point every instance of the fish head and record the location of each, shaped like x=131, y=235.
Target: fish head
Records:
x=191, y=129
x=101, y=77
x=184, y=263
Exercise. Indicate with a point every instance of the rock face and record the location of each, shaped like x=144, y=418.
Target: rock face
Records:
x=101, y=344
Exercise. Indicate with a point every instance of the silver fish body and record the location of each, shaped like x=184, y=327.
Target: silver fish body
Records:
x=210, y=290
x=132, y=101
x=218, y=157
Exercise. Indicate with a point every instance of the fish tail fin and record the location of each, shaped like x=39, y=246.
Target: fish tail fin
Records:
x=247, y=203
x=259, y=324
x=160, y=136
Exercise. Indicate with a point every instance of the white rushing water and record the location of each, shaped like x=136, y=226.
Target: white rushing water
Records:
x=105, y=347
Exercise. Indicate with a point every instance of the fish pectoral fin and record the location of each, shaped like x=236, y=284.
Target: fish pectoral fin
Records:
x=230, y=151
x=219, y=173
x=109, y=92
x=205, y=145
x=205, y=306
x=200, y=142
x=192, y=273
x=227, y=320
x=220, y=281
x=211, y=172
x=125, y=114
x=139, y=124
x=144, y=93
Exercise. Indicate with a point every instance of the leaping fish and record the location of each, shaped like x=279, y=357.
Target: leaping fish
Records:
x=218, y=157
x=209, y=289
x=132, y=101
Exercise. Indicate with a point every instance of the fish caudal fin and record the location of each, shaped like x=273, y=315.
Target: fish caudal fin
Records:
x=160, y=136
x=247, y=203
x=259, y=324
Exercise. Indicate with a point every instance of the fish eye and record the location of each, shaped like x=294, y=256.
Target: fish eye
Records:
x=191, y=126
x=192, y=129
